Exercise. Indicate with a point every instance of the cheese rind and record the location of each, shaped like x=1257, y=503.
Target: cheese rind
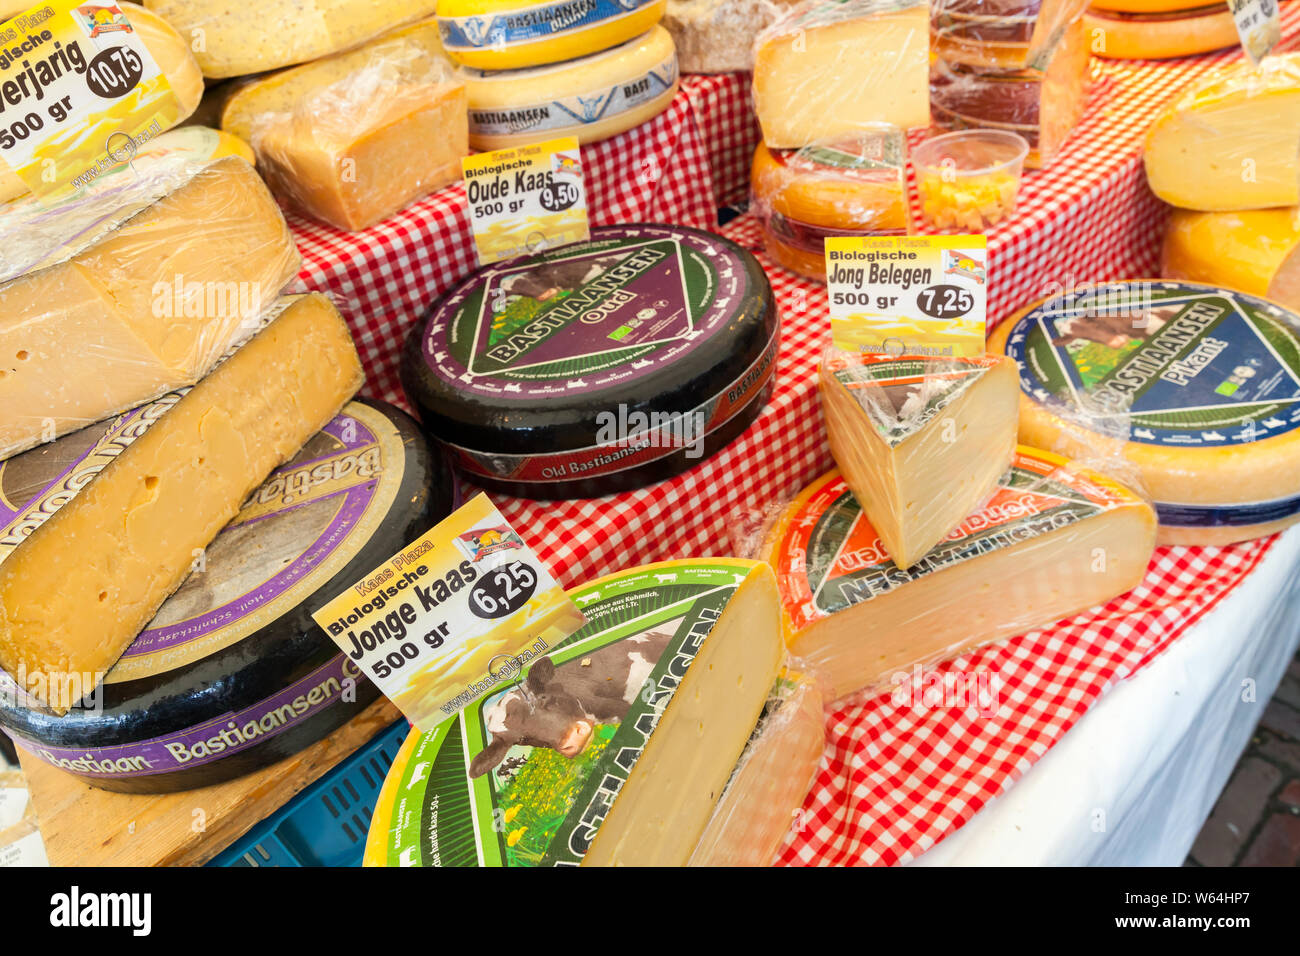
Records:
x=1054, y=540
x=86, y=578
x=826, y=68
x=717, y=36
x=1253, y=250
x=135, y=289
x=1124, y=36
x=1232, y=142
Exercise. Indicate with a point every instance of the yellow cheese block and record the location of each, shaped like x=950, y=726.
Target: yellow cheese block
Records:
x=1161, y=36
x=827, y=68
x=352, y=138
x=87, y=577
x=1055, y=539
x=230, y=40
x=1232, y=142
x=170, y=52
x=134, y=291
x=922, y=442
x=1254, y=250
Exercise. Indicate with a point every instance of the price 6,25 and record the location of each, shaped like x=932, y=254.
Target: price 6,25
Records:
x=503, y=591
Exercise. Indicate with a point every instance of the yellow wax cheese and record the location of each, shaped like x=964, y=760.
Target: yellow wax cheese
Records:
x=1122, y=36
x=1253, y=250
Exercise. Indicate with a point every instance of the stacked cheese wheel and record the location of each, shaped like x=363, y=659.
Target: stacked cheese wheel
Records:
x=537, y=70
x=1158, y=29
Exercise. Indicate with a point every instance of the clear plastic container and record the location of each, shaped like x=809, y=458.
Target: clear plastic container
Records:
x=968, y=180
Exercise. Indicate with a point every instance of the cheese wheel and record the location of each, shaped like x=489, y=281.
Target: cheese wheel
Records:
x=170, y=52
x=1194, y=387
x=1251, y=251
x=592, y=98
x=512, y=34
x=1160, y=36
x=1147, y=6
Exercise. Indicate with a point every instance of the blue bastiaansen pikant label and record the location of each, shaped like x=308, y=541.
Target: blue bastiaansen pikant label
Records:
x=532, y=23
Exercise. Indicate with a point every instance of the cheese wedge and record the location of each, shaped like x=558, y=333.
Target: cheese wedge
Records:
x=761, y=804
x=1254, y=250
x=86, y=562
x=135, y=288
x=826, y=68
x=922, y=442
x=1055, y=539
x=1232, y=142
x=352, y=138
x=717, y=36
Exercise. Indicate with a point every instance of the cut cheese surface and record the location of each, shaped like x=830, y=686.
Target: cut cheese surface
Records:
x=760, y=806
x=1232, y=142
x=515, y=34
x=1055, y=539
x=922, y=442
x=825, y=69
x=227, y=42
x=1160, y=36
x=80, y=578
x=592, y=98
x=135, y=288
x=352, y=138
x=638, y=721
x=1195, y=387
x=1254, y=250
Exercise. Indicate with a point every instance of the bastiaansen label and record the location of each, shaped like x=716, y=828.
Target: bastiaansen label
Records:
x=452, y=615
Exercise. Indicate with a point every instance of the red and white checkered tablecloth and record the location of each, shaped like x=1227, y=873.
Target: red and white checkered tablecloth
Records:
x=894, y=780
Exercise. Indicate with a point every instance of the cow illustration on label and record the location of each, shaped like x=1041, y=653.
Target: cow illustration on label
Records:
x=559, y=708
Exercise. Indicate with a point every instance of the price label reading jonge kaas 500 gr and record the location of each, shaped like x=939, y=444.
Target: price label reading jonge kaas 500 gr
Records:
x=451, y=615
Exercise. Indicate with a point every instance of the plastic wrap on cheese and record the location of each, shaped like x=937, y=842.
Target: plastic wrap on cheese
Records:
x=352, y=138
x=20, y=839
x=762, y=801
x=827, y=68
x=229, y=39
x=1008, y=34
x=1229, y=142
x=135, y=287
x=855, y=185
x=717, y=36
x=1042, y=102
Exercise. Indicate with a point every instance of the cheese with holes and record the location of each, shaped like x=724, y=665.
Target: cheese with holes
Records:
x=1231, y=142
x=514, y=34
x=592, y=98
x=1160, y=36
x=826, y=68
x=169, y=51
x=1254, y=250
x=81, y=575
x=922, y=442
x=1193, y=388
x=352, y=138
x=762, y=802
x=1054, y=540
x=614, y=747
x=228, y=42
x=717, y=36
x=1009, y=34
x=135, y=287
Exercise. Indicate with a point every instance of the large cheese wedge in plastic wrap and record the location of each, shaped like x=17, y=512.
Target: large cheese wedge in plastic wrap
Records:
x=1232, y=141
x=229, y=39
x=352, y=138
x=614, y=747
x=87, y=562
x=1054, y=540
x=1251, y=250
x=1193, y=387
x=922, y=442
x=134, y=287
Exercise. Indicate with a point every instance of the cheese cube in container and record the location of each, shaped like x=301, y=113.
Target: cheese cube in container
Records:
x=826, y=68
x=229, y=39
x=1055, y=539
x=1043, y=102
x=87, y=565
x=352, y=138
x=135, y=287
x=1007, y=34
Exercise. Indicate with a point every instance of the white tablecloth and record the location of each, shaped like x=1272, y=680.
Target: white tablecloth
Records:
x=1132, y=782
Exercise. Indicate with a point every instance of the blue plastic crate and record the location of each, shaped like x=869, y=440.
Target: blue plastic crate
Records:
x=326, y=824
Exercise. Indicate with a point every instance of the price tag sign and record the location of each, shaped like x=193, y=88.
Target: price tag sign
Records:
x=452, y=615
x=527, y=199
x=1259, y=25
x=908, y=295
x=79, y=94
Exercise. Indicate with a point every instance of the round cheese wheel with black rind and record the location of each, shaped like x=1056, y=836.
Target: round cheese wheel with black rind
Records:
x=233, y=673
x=542, y=376
x=1195, y=386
